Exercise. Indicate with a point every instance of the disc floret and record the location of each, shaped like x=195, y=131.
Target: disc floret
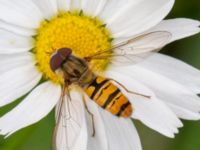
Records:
x=83, y=34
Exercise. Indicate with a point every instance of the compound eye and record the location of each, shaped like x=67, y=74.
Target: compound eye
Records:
x=59, y=57
x=65, y=52
x=56, y=62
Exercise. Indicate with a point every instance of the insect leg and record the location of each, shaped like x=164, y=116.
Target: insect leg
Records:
x=58, y=114
x=127, y=90
x=91, y=114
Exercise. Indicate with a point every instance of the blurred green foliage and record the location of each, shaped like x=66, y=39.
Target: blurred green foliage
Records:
x=38, y=136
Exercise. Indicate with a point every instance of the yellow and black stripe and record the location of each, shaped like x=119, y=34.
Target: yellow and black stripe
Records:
x=109, y=97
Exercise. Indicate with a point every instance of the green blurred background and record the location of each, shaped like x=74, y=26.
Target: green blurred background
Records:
x=38, y=136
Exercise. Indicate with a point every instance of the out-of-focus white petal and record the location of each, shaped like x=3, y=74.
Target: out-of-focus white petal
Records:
x=17, y=29
x=48, y=8
x=171, y=92
x=174, y=69
x=99, y=141
x=130, y=18
x=32, y=109
x=64, y=5
x=92, y=7
x=76, y=5
x=121, y=133
x=22, y=13
x=13, y=43
x=145, y=109
x=72, y=129
x=17, y=82
x=179, y=28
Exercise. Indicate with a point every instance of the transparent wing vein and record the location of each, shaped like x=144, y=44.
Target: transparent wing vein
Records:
x=70, y=120
x=136, y=49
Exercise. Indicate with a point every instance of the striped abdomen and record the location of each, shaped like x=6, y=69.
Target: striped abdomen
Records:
x=109, y=97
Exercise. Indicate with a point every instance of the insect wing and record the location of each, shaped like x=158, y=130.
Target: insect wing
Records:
x=136, y=49
x=69, y=123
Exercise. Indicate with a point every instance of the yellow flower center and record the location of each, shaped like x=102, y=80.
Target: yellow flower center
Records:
x=83, y=34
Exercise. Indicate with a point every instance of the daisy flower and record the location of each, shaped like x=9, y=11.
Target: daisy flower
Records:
x=32, y=30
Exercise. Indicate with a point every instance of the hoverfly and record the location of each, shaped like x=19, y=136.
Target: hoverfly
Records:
x=100, y=89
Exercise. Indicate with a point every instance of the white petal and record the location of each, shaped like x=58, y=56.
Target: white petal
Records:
x=146, y=110
x=47, y=7
x=167, y=90
x=174, y=69
x=111, y=7
x=17, y=29
x=64, y=5
x=12, y=61
x=179, y=28
x=92, y=7
x=32, y=109
x=184, y=113
x=135, y=17
x=17, y=82
x=22, y=13
x=76, y=5
x=121, y=133
x=136, y=49
x=72, y=129
x=13, y=43
x=99, y=141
